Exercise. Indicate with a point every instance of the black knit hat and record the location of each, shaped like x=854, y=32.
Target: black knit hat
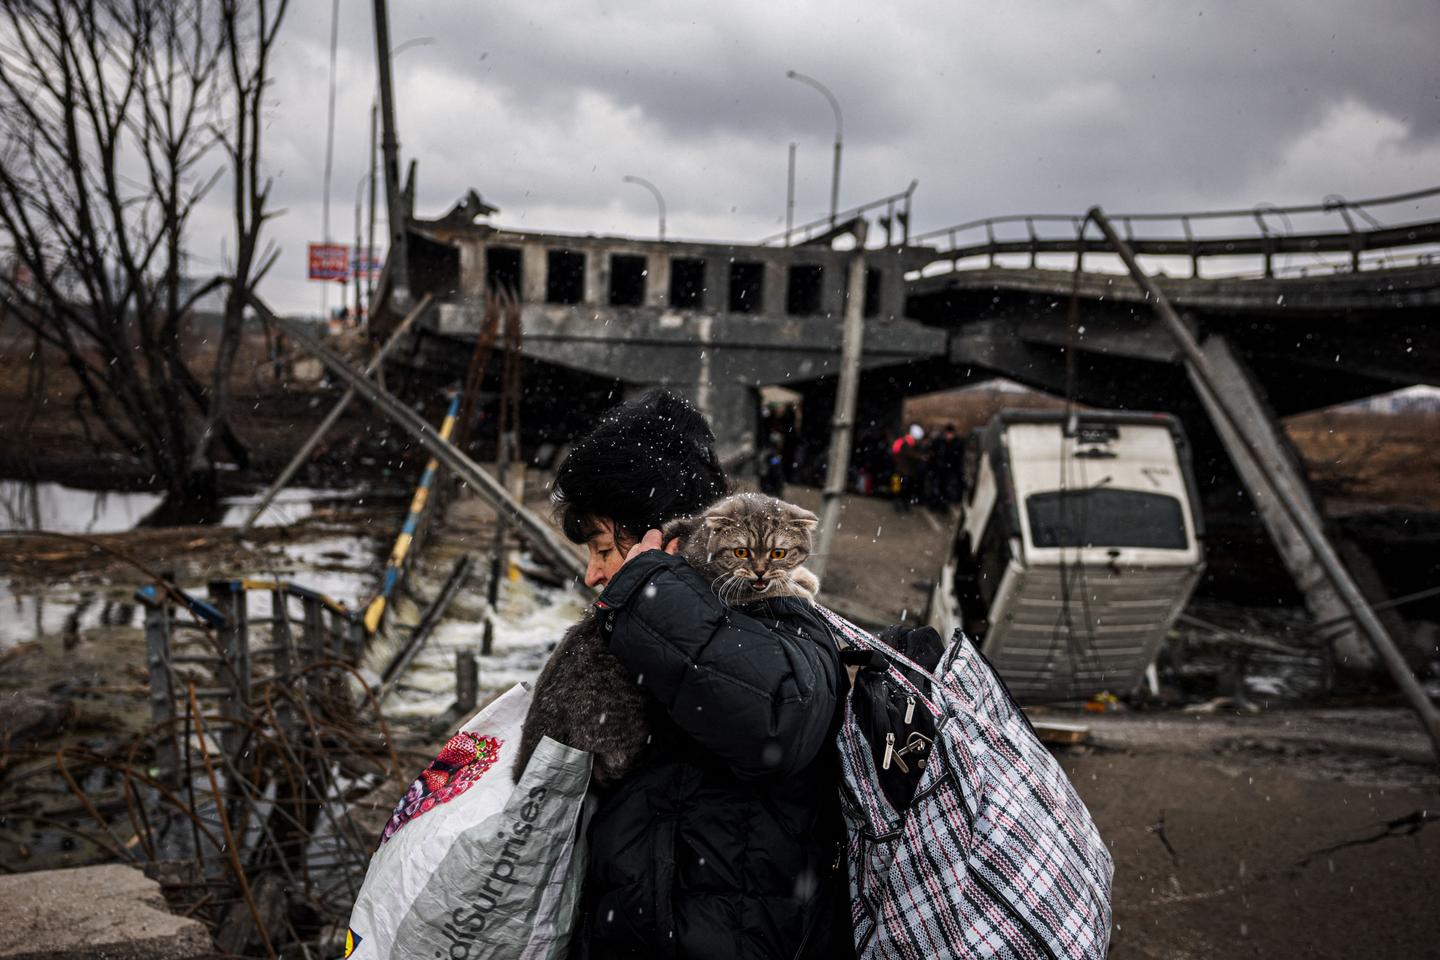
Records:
x=647, y=461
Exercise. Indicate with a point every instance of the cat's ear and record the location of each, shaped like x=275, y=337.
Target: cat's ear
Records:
x=801, y=517
x=681, y=528
x=714, y=523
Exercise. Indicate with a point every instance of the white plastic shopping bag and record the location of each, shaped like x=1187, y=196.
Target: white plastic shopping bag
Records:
x=473, y=865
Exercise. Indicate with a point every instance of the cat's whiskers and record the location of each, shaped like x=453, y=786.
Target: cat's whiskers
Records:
x=720, y=583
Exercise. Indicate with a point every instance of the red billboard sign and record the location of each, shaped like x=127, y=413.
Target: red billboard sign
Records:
x=329, y=261
x=359, y=262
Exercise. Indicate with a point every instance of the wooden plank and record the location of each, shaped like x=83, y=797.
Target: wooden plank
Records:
x=1059, y=733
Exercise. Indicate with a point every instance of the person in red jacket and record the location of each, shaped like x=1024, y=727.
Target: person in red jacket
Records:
x=909, y=457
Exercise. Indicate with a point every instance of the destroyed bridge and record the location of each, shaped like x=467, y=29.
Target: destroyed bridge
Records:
x=1296, y=308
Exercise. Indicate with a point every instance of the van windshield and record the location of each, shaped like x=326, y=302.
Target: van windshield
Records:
x=1106, y=518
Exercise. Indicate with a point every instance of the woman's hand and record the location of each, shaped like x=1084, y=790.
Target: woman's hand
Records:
x=651, y=541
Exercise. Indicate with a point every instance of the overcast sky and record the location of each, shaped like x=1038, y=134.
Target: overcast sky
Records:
x=995, y=108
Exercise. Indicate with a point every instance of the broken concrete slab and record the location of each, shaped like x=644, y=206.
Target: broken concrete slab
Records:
x=112, y=911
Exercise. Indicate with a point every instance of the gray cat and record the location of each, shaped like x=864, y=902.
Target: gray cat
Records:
x=749, y=546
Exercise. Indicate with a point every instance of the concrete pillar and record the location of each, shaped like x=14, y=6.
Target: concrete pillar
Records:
x=597, y=277
x=773, y=296
x=731, y=407
x=472, y=274
x=1321, y=595
x=832, y=291
x=532, y=272
x=657, y=280
x=717, y=285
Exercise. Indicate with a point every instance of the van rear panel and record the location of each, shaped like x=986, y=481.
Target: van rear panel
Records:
x=1103, y=550
x=1066, y=634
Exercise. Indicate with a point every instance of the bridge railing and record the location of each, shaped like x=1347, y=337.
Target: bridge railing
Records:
x=896, y=215
x=1335, y=226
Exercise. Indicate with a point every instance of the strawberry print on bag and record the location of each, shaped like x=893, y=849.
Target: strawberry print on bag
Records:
x=461, y=762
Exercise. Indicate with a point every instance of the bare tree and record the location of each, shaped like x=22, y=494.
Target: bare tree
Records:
x=249, y=32
x=109, y=110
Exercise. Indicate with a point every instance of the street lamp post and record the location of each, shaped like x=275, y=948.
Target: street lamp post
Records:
x=790, y=196
x=390, y=147
x=834, y=105
x=370, y=227
x=659, y=200
x=359, y=254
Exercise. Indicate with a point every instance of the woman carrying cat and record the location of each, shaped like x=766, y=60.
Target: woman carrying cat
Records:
x=718, y=829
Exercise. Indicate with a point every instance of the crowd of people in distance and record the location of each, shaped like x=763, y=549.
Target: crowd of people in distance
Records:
x=913, y=469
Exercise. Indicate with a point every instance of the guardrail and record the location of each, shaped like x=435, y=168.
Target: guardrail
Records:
x=994, y=236
x=323, y=629
x=897, y=214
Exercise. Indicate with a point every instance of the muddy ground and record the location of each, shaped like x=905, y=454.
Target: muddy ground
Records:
x=1296, y=834
x=1306, y=829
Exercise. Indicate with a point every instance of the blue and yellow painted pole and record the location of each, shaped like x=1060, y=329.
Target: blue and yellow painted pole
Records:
x=396, y=563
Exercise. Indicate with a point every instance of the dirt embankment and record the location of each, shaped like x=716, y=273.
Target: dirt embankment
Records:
x=275, y=405
x=1362, y=461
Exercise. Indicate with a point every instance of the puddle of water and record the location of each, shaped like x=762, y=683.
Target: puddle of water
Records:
x=56, y=507
x=62, y=509
x=25, y=616
x=340, y=566
x=532, y=618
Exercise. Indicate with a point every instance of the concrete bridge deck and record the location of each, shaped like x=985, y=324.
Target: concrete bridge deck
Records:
x=1329, y=293
x=718, y=321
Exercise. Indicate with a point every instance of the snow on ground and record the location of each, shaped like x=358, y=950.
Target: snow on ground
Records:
x=27, y=616
x=326, y=555
x=532, y=618
x=289, y=505
x=61, y=509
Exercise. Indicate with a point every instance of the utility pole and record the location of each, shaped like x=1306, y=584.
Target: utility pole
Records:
x=329, y=156
x=790, y=197
x=847, y=395
x=839, y=127
x=370, y=238
x=357, y=252
x=390, y=146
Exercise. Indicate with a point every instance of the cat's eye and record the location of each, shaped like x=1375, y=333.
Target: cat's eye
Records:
x=777, y=554
x=742, y=552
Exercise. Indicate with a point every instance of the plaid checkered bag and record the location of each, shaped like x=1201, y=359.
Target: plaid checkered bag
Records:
x=996, y=856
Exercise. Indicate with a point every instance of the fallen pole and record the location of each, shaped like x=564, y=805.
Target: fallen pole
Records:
x=428, y=622
x=1202, y=377
x=847, y=393
x=534, y=528
x=331, y=418
x=409, y=531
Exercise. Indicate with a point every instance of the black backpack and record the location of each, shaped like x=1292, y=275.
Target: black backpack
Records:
x=898, y=728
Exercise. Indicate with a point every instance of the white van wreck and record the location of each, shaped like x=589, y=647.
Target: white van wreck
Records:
x=1078, y=545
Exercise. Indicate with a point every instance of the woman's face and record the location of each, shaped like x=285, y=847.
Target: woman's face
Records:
x=607, y=545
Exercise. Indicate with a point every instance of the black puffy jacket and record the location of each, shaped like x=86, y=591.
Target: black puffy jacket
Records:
x=724, y=840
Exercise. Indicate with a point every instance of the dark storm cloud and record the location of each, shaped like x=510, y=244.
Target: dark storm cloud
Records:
x=996, y=108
